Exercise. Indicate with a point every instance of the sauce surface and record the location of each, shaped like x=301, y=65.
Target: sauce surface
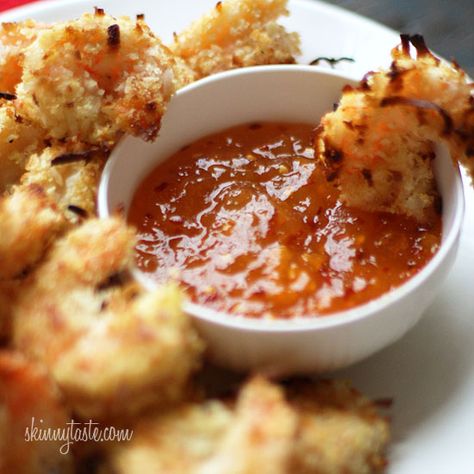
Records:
x=246, y=221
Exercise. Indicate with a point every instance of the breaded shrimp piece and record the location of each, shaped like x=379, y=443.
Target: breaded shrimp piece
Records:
x=113, y=348
x=173, y=442
x=237, y=33
x=261, y=433
x=29, y=222
x=29, y=397
x=378, y=144
x=14, y=38
x=70, y=179
x=18, y=140
x=252, y=435
x=316, y=428
x=95, y=78
x=339, y=430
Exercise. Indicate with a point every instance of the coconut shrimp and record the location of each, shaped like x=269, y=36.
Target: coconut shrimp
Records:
x=92, y=79
x=29, y=221
x=237, y=33
x=325, y=427
x=378, y=145
x=14, y=38
x=112, y=348
x=29, y=397
x=339, y=429
x=214, y=437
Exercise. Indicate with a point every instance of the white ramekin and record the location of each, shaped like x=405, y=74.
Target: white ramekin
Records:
x=291, y=94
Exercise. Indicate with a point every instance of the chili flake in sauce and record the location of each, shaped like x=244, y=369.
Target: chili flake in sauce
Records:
x=247, y=222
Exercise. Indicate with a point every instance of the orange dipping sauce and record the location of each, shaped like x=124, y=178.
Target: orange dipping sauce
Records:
x=247, y=223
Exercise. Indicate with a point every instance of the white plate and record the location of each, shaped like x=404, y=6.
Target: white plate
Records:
x=430, y=372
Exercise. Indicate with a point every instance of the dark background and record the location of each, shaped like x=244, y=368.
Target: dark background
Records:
x=448, y=26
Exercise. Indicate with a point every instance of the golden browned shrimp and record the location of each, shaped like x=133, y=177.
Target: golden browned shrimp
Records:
x=260, y=434
x=28, y=400
x=318, y=428
x=29, y=221
x=379, y=143
x=92, y=79
x=112, y=348
x=237, y=33
x=214, y=437
x=14, y=38
x=339, y=430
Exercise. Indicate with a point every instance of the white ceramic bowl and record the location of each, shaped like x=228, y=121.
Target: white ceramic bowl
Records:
x=283, y=93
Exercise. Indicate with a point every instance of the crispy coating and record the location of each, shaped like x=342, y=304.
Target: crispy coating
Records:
x=14, y=38
x=18, y=140
x=70, y=179
x=339, y=430
x=237, y=33
x=112, y=348
x=29, y=221
x=92, y=79
x=213, y=437
x=261, y=432
x=27, y=394
x=379, y=143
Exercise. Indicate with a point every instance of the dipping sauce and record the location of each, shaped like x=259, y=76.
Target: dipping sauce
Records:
x=247, y=222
